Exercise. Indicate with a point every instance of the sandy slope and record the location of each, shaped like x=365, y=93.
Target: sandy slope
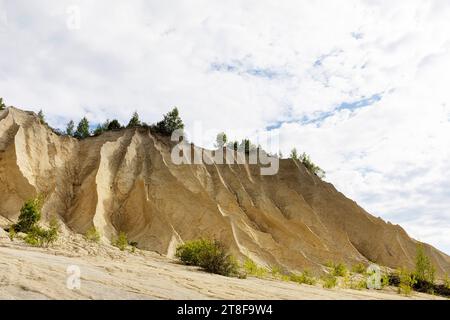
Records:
x=107, y=273
x=125, y=181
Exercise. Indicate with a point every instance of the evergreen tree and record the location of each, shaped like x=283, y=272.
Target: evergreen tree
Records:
x=294, y=154
x=82, y=129
x=2, y=105
x=233, y=145
x=134, y=121
x=221, y=140
x=70, y=128
x=246, y=146
x=311, y=166
x=425, y=270
x=41, y=117
x=114, y=125
x=170, y=123
x=105, y=125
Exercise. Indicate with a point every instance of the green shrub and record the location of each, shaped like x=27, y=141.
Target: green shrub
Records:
x=121, y=242
x=359, y=268
x=311, y=166
x=285, y=277
x=338, y=270
x=424, y=271
x=303, y=278
x=407, y=282
x=329, y=281
x=30, y=214
x=294, y=154
x=276, y=271
x=189, y=252
x=359, y=285
x=447, y=282
x=170, y=123
x=11, y=233
x=209, y=255
x=93, y=235
x=41, y=237
x=253, y=269
x=385, y=280
x=133, y=245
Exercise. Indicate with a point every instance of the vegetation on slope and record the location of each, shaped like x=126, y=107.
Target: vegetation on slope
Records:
x=30, y=215
x=210, y=255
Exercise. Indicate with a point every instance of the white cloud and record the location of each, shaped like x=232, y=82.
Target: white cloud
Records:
x=288, y=61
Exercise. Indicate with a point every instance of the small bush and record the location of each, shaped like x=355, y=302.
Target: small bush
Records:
x=338, y=270
x=303, y=278
x=407, y=282
x=121, y=242
x=311, y=166
x=133, y=245
x=359, y=268
x=209, y=255
x=41, y=237
x=93, y=235
x=276, y=271
x=189, y=253
x=447, y=282
x=385, y=281
x=329, y=281
x=30, y=214
x=359, y=285
x=285, y=277
x=253, y=269
x=12, y=233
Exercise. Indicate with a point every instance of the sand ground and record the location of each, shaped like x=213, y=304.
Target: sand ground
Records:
x=108, y=273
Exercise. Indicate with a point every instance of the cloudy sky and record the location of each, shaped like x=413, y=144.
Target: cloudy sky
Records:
x=362, y=86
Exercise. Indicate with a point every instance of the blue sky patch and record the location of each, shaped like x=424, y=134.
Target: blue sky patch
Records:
x=318, y=118
x=240, y=68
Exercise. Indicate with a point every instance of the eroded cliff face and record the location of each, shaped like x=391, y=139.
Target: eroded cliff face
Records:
x=125, y=181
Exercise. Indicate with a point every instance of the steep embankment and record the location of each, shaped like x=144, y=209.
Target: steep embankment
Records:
x=125, y=181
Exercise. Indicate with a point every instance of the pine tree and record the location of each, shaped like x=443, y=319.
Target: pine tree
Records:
x=114, y=125
x=294, y=154
x=82, y=129
x=70, y=128
x=134, y=121
x=170, y=123
x=246, y=145
x=41, y=117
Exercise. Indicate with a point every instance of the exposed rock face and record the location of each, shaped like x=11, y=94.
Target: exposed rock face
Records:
x=125, y=181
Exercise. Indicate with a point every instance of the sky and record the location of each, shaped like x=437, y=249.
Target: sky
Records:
x=361, y=86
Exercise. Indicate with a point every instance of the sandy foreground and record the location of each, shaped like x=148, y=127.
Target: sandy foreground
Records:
x=107, y=273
